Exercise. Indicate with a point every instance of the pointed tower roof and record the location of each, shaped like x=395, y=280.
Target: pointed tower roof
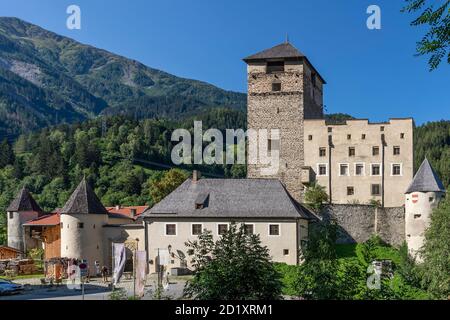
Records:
x=83, y=201
x=426, y=180
x=283, y=50
x=24, y=202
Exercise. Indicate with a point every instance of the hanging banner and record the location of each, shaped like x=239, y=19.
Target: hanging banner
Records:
x=140, y=273
x=119, y=261
x=164, y=257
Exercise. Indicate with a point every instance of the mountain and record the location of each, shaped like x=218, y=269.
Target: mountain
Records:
x=47, y=79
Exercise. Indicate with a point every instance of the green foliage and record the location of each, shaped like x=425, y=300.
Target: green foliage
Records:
x=316, y=196
x=436, y=252
x=436, y=16
x=235, y=267
x=118, y=294
x=432, y=141
x=170, y=181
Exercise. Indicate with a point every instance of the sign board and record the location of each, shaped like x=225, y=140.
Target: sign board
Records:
x=83, y=269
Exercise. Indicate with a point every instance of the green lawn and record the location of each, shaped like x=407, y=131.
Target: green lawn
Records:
x=26, y=276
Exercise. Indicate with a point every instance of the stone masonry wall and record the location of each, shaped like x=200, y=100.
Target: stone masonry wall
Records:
x=359, y=222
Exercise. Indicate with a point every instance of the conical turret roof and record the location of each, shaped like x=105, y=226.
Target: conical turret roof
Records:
x=24, y=202
x=426, y=180
x=83, y=201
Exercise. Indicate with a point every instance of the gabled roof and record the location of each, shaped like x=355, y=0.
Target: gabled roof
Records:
x=83, y=201
x=229, y=198
x=24, y=202
x=125, y=212
x=426, y=180
x=283, y=50
x=52, y=219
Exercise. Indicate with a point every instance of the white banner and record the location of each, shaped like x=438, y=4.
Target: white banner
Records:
x=119, y=261
x=140, y=272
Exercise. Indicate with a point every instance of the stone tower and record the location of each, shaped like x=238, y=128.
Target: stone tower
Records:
x=82, y=221
x=21, y=210
x=422, y=196
x=284, y=89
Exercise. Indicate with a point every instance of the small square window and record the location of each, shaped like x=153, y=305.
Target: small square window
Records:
x=330, y=129
x=375, y=189
x=322, y=152
x=350, y=191
x=396, y=150
x=351, y=151
x=349, y=137
x=171, y=229
x=273, y=144
x=396, y=170
x=286, y=252
x=375, y=151
x=248, y=228
x=310, y=137
x=417, y=216
x=197, y=229
x=363, y=136
x=80, y=225
x=274, y=229
x=382, y=128
x=11, y=215
x=430, y=199
x=402, y=135
x=322, y=170
x=276, y=86
x=222, y=229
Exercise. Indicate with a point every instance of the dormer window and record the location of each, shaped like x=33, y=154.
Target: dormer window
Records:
x=201, y=201
x=274, y=66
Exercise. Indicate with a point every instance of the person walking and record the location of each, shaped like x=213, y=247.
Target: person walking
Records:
x=105, y=274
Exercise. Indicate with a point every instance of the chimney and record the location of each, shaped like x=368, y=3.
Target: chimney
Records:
x=133, y=212
x=196, y=175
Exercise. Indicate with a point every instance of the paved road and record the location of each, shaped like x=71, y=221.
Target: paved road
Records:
x=95, y=290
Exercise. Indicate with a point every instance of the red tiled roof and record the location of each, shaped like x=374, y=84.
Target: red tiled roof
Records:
x=52, y=219
x=126, y=211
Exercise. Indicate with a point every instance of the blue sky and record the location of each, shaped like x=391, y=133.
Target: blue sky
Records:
x=370, y=73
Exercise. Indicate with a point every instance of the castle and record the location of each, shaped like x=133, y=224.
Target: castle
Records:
x=357, y=162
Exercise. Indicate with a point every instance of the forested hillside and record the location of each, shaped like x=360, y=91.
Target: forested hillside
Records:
x=46, y=79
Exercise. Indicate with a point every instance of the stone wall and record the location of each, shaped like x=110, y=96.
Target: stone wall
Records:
x=359, y=222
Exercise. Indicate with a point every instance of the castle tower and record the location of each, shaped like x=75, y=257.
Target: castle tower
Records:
x=82, y=221
x=284, y=89
x=422, y=196
x=21, y=210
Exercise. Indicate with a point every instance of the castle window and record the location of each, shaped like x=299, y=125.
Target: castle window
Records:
x=196, y=229
x=351, y=151
x=375, y=189
x=382, y=128
x=396, y=169
x=171, y=229
x=376, y=169
x=417, y=216
x=249, y=228
x=363, y=136
x=11, y=215
x=274, y=229
x=330, y=129
x=343, y=169
x=274, y=66
x=375, y=151
x=286, y=252
x=222, y=228
x=322, y=170
x=273, y=144
x=430, y=199
x=350, y=191
x=349, y=137
x=80, y=225
x=359, y=169
x=396, y=150
x=322, y=152
x=276, y=86
x=310, y=137
x=402, y=135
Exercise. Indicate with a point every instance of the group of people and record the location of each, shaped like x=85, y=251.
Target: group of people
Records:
x=74, y=270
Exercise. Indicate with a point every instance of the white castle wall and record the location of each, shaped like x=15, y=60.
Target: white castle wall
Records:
x=15, y=229
x=86, y=242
